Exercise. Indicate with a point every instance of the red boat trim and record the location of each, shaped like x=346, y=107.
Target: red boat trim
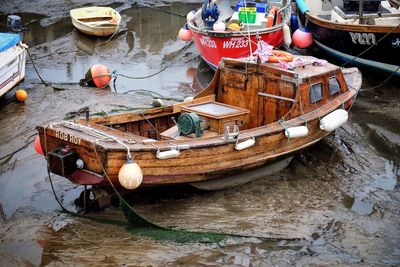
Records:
x=15, y=75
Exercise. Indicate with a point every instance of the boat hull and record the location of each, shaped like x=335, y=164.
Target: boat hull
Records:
x=216, y=46
x=96, y=21
x=263, y=99
x=12, y=68
x=349, y=43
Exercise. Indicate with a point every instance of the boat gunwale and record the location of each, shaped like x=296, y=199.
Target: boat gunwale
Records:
x=77, y=20
x=245, y=31
x=350, y=27
x=269, y=129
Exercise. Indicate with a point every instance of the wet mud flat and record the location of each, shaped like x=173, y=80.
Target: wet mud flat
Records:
x=338, y=203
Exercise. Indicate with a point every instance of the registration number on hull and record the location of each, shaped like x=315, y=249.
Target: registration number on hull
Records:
x=68, y=137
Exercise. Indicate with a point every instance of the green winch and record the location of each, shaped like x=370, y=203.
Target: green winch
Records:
x=189, y=123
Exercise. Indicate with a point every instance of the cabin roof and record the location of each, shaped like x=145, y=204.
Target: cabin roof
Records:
x=300, y=72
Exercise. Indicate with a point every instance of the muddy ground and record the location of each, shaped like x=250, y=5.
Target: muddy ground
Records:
x=338, y=203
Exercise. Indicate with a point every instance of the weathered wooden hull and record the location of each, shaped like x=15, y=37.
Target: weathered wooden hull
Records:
x=209, y=157
x=200, y=162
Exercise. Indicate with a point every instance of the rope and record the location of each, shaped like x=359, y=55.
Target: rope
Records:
x=161, y=70
x=382, y=83
x=55, y=53
x=118, y=193
x=371, y=46
x=159, y=96
x=152, y=126
x=114, y=74
x=166, y=11
x=27, y=143
x=248, y=31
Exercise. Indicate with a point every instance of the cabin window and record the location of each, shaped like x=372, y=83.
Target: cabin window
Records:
x=334, y=86
x=316, y=92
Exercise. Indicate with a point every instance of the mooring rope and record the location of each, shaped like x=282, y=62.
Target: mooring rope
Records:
x=27, y=143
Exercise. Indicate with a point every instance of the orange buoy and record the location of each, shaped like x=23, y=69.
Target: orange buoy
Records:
x=21, y=95
x=271, y=16
x=98, y=76
x=38, y=146
x=279, y=56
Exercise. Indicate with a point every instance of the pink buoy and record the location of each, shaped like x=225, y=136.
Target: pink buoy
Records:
x=302, y=38
x=38, y=146
x=185, y=34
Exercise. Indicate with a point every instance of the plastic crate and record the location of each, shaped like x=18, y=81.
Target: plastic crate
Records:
x=247, y=14
x=261, y=7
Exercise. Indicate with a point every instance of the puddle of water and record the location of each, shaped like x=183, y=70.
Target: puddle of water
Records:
x=357, y=205
x=388, y=180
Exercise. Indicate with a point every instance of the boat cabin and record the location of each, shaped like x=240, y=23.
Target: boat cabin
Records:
x=240, y=97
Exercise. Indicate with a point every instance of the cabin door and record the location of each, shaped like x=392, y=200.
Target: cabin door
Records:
x=275, y=99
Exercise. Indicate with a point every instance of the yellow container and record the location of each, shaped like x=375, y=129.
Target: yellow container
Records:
x=251, y=14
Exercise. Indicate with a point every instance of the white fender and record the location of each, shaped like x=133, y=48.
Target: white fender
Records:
x=334, y=120
x=298, y=131
x=245, y=144
x=287, y=39
x=168, y=154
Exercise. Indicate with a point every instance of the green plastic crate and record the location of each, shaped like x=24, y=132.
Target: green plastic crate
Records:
x=251, y=14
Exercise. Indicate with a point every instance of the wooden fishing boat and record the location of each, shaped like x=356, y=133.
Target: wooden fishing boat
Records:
x=98, y=21
x=12, y=63
x=253, y=21
x=370, y=37
x=251, y=115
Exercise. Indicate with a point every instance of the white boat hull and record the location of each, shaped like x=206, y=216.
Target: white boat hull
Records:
x=12, y=67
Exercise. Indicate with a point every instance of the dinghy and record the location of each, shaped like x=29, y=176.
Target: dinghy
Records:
x=97, y=21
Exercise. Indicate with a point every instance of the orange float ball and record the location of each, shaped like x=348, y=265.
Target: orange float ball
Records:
x=98, y=76
x=21, y=95
x=38, y=146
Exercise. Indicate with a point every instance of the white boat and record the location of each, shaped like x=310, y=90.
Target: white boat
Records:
x=98, y=21
x=12, y=63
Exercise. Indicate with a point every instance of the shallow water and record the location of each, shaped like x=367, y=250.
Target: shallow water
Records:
x=337, y=202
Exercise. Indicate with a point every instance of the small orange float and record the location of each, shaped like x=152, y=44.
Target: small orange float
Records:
x=279, y=56
x=21, y=95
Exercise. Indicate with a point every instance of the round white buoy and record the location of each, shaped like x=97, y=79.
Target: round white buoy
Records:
x=130, y=175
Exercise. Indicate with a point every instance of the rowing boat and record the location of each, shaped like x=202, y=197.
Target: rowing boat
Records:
x=98, y=21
